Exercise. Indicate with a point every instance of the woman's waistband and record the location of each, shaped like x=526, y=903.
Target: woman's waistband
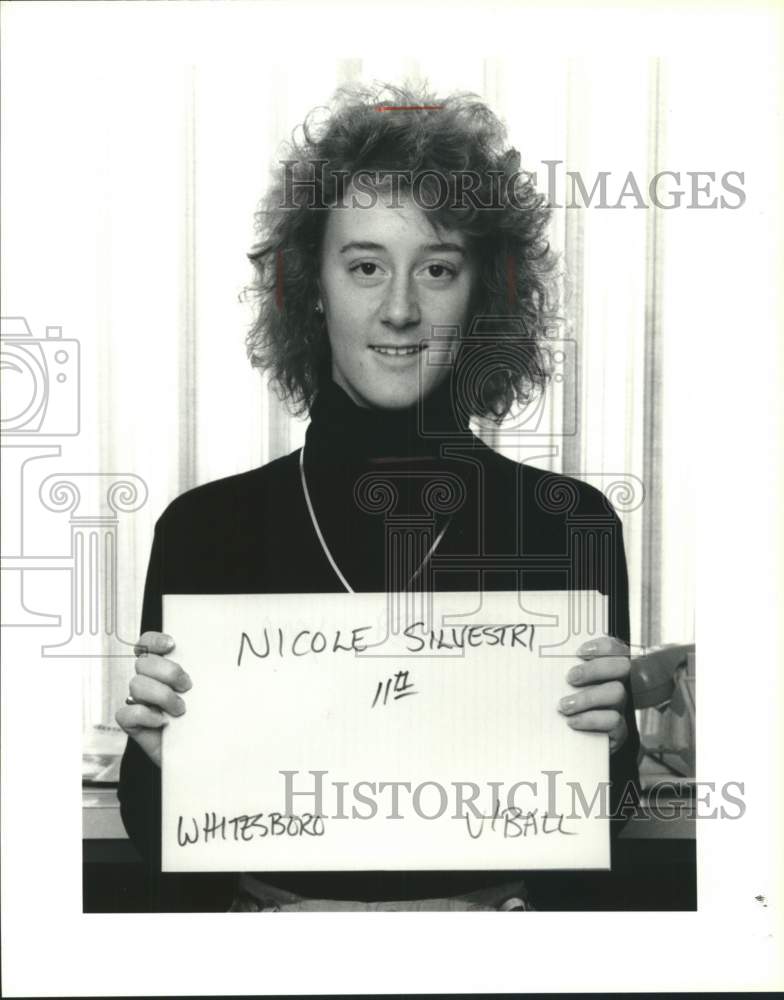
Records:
x=255, y=895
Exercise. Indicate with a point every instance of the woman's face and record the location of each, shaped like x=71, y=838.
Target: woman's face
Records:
x=387, y=278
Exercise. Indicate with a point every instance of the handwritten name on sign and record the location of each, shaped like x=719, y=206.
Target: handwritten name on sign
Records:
x=377, y=732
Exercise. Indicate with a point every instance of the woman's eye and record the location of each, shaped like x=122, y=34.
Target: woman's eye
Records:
x=366, y=268
x=439, y=271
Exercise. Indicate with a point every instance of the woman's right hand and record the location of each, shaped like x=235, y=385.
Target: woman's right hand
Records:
x=155, y=693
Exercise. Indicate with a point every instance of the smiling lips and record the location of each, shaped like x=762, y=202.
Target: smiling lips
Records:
x=398, y=352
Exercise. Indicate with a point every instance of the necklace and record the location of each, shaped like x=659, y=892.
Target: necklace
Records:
x=323, y=541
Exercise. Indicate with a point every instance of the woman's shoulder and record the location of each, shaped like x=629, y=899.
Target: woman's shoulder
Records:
x=550, y=492
x=227, y=496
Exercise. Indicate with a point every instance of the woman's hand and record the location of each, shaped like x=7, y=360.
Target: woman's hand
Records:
x=154, y=693
x=598, y=706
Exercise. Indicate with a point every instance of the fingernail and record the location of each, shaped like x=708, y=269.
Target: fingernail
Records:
x=567, y=704
x=167, y=641
x=575, y=675
x=179, y=706
x=185, y=683
x=590, y=647
x=571, y=722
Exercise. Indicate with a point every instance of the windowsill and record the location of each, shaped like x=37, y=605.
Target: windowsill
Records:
x=101, y=815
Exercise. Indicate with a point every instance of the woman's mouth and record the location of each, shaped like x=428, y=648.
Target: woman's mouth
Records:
x=398, y=352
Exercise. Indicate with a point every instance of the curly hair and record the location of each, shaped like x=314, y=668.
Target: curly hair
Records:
x=504, y=222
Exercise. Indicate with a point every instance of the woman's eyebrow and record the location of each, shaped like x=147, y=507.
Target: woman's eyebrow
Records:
x=445, y=248
x=429, y=248
x=362, y=245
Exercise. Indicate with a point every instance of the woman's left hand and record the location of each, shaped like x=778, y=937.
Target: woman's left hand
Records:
x=599, y=704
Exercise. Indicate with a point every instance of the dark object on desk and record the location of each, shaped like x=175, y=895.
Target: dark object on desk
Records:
x=663, y=684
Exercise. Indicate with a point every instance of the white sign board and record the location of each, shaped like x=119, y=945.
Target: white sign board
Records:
x=368, y=732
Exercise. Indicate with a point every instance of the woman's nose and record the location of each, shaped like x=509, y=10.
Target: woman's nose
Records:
x=400, y=307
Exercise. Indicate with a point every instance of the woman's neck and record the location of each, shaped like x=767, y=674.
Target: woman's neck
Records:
x=339, y=426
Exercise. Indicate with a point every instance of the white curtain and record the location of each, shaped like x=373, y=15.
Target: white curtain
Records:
x=156, y=183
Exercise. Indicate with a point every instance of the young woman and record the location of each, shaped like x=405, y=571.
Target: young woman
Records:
x=404, y=286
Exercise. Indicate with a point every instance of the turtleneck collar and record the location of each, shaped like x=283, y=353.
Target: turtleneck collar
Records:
x=340, y=427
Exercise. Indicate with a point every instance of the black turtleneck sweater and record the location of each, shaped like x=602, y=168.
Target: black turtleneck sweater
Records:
x=372, y=474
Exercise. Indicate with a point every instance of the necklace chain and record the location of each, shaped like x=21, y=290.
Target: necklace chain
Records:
x=323, y=541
